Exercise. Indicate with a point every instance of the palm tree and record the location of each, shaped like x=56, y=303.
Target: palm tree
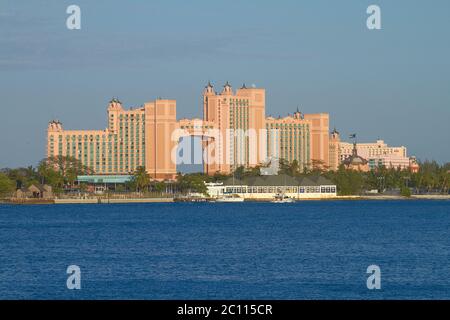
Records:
x=141, y=178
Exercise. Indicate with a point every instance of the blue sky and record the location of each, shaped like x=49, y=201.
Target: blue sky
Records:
x=391, y=84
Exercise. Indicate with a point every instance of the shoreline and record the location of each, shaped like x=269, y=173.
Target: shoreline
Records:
x=172, y=200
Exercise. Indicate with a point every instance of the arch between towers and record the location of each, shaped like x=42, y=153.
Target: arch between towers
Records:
x=210, y=137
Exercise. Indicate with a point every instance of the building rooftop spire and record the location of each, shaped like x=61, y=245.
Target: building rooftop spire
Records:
x=114, y=99
x=227, y=88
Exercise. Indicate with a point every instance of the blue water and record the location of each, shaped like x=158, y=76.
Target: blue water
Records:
x=306, y=250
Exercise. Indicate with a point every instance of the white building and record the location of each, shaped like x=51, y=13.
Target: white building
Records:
x=267, y=187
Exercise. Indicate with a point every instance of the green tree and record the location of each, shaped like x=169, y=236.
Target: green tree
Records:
x=51, y=176
x=61, y=170
x=405, y=191
x=284, y=167
x=141, y=179
x=218, y=177
x=319, y=166
x=22, y=177
x=252, y=172
x=159, y=186
x=7, y=186
x=239, y=172
x=348, y=182
x=194, y=182
x=294, y=169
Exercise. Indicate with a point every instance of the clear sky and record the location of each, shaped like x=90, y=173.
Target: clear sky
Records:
x=392, y=84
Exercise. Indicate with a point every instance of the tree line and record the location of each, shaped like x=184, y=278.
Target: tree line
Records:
x=57, y=172
x=61, y=172
x=431, y=178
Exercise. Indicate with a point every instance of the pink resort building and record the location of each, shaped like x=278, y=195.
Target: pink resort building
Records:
x=234, y=132
x=375, y=153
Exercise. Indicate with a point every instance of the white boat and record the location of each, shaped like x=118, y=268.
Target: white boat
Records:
x=282, y=198
x=230, y=198
x=233, y=197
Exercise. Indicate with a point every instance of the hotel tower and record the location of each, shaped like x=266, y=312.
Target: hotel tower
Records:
x=234, y=132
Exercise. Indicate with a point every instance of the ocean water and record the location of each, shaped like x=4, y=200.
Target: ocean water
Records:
x=306, y=250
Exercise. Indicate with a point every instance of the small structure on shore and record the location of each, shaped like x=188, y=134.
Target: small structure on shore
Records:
x=34, y=191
